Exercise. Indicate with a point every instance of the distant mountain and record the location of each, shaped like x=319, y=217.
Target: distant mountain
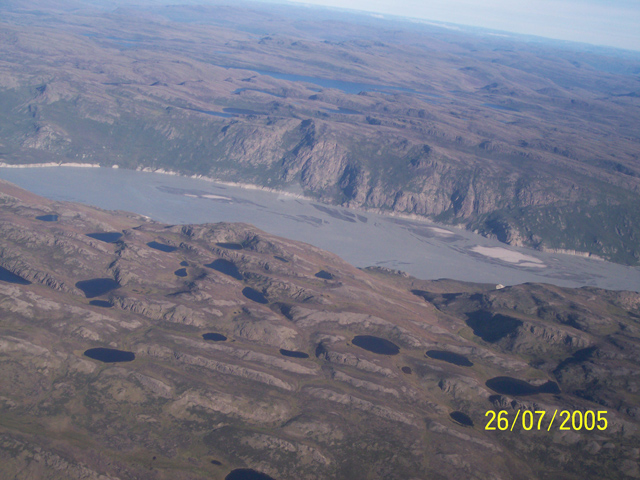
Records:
x=532, y=144
x=189, y=352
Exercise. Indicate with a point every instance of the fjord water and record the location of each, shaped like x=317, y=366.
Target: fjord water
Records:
x=420, y=248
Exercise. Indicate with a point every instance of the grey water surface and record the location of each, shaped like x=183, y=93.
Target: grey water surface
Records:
x=419, y=248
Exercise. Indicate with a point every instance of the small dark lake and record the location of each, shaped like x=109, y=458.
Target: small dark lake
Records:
x=7, y=276
x=97, y=286
x=214, y=337
x=407, y=370
x=184, y=263
x=230, y=245
x=110, y=355
x=100, y=303
x=107, y=237
x=48, y=218
x=181, y=272
x=255, y=295
x=514, y=386
x=324, y=274
x=492, y=327
x=461, y=418
x=162, y=247
x=293, y=353
x=281, y=259
x=376, y=344
x=247, y=474
x=216, y=462
x=450, y=357
x=226, y=267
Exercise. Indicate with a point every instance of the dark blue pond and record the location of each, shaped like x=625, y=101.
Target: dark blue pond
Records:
x=162, y=247
x=184, y=263
x=230, y=246
x=514, y=386
x=376, y=344
x=110, y=355
x=48, y=218
x=7, y=276
x=492, y=327
x=462, y=418
x=181, y=272
x=324, y=274
x=97, y=286
x=226, y=267
x=214, y=337
x=255, y=295
x=282, y=259
x=450, y=357
x=406, y=370
x=107, y=237
x=247, y=474
x=293, y=353
x=100, y=303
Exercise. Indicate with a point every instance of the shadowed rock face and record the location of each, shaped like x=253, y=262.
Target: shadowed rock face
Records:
x=165, y=384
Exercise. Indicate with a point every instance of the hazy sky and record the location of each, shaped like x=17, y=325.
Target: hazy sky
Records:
x=601, y=22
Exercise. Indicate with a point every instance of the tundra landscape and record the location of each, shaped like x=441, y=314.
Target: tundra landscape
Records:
x=134, y=348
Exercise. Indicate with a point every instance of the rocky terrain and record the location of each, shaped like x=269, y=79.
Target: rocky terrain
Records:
x=239, y=349
x=531, y=142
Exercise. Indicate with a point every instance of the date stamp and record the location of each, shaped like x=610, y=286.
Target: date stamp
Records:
x=534, y=420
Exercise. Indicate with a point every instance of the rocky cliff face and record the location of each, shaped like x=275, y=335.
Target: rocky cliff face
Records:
x=218, y=347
